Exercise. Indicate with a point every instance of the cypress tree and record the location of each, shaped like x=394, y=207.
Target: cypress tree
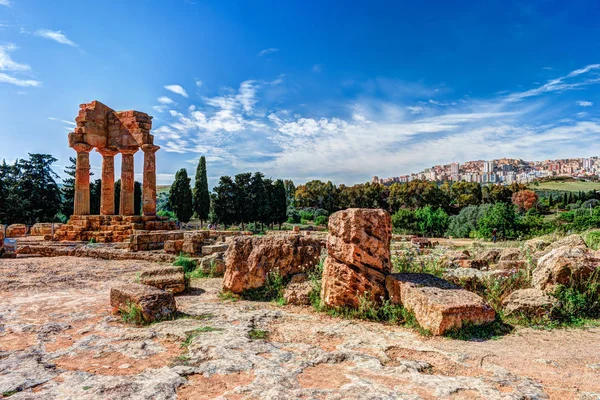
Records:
x=280, y=203
x=257, y=197
x=137, y=198
x=243, y=200
x=180, y=196
x=223, y=202
x=95, y=196
x=201, y=195
x=117, y=196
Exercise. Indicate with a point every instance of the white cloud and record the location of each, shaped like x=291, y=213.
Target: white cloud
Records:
x=159, y=108
x=584, y=103
x=6, y=62
x=57, y=36
x=63, y=121
x=415, y=109
x=4, y=3
x=198, y=83
x=19, y=82
x=265, y=52
x=177, y=89
x=559, y=84
x=165, y=100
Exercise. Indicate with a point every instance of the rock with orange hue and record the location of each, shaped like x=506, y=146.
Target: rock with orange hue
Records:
x=298, y=293
x=344, y=285
x=358, y=247
x=564, y=265
x=528, y=302
x=361, y=237
x=168, y=278
x=438, y=305
x=43, y=229
x=173, y=246
x=16, y=230
x=154, y=304
x=249, y=260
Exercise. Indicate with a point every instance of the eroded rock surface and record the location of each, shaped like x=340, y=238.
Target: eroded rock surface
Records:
x=528, y=303
x=59, y=340
x=169, y=278
x=438, y=305
x=358, y=248
x=153, y=304
x=249, y=260
x=564, y=265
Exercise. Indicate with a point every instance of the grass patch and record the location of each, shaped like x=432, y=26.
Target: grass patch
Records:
x=197, y=332
x=408, y=262
x=228, y=296
x=87, y=387
x=132, y=314
x=9, y=393
x=256, y=334
x=188, y=264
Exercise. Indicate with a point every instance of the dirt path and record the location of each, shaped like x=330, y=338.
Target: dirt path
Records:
x=59, y=341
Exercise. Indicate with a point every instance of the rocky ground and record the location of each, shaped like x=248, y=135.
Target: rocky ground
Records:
x=58, y=340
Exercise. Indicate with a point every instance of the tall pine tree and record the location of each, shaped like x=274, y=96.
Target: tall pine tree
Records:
x=201, y=194
x=180, y=196
x=224, y=195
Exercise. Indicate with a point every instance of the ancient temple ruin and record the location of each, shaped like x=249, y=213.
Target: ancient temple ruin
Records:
x=112, y=132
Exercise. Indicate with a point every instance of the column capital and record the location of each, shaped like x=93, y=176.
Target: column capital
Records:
x=150, y=148
x=106, y=152
x=82, y=147
x=128, y=150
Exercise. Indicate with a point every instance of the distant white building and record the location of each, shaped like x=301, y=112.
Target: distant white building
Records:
x=488, y=167
x=454, y=168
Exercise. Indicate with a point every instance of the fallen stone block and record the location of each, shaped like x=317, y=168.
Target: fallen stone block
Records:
x=528, y=303
x=173, y=246
x=153, y=304
x=191, y=248
x=565, y=265
x=16, y=230
x=213, y=265
x=510, y=254
x=249, y=260
x=438, y=305
x=344, y=285
x=215, y=248
x=168, y=278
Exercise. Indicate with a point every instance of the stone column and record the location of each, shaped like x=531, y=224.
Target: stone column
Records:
x=127, y=206
x=82, y=179
x=107, y=199
x=149, y=185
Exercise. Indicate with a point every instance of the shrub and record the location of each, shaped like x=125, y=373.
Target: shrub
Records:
x=188, y=264
x=320, y=212
x=578, y=301
x=404, y=221
x=321, y=220
x=293, y=216
x=466, y=223
x=307, y=215
x=432, y=222
x=272, y=290
x=132, y=314
x=170, y=214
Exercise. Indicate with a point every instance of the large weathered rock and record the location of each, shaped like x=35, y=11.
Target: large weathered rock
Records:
x=16, y=230
x=510, y=254
x=345, y=284
x=564, y=265
x=489, y=255
x=42, y=229
x=438, y=305
x=534, y=245
x=528, y=303
x=169, y=278
x=154, y=304
x=361, y=237
x=249, y=260
x=514, y=265
x=213, y=265
x=173, y=246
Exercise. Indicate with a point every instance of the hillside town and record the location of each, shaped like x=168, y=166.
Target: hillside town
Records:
x=503, y=171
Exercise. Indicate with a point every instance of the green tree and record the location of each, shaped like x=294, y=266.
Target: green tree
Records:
x=223, y=201
x=243, y=199
x=267, y=217
x=258, y=197
x=37, y=184
x=279, y=206
x=137, y=198
x=500, y=216
x=118, y=196
x=466, y=223
x=95, y=196
x=180, y=196
x=290, y=191
x=404, y=221
x=201, y=194
x=432, y=222
x=68, y=188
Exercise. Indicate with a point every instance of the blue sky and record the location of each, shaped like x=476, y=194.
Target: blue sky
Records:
x=337, y=90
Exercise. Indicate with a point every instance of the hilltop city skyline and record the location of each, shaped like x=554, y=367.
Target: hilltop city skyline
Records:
x=502, y=171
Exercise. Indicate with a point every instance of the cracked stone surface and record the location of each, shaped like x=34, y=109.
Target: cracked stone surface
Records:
x=59, y=341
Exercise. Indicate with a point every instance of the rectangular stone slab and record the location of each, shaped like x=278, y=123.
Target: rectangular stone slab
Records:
x=169, y=278
x=438, y=305
x=155, y=304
